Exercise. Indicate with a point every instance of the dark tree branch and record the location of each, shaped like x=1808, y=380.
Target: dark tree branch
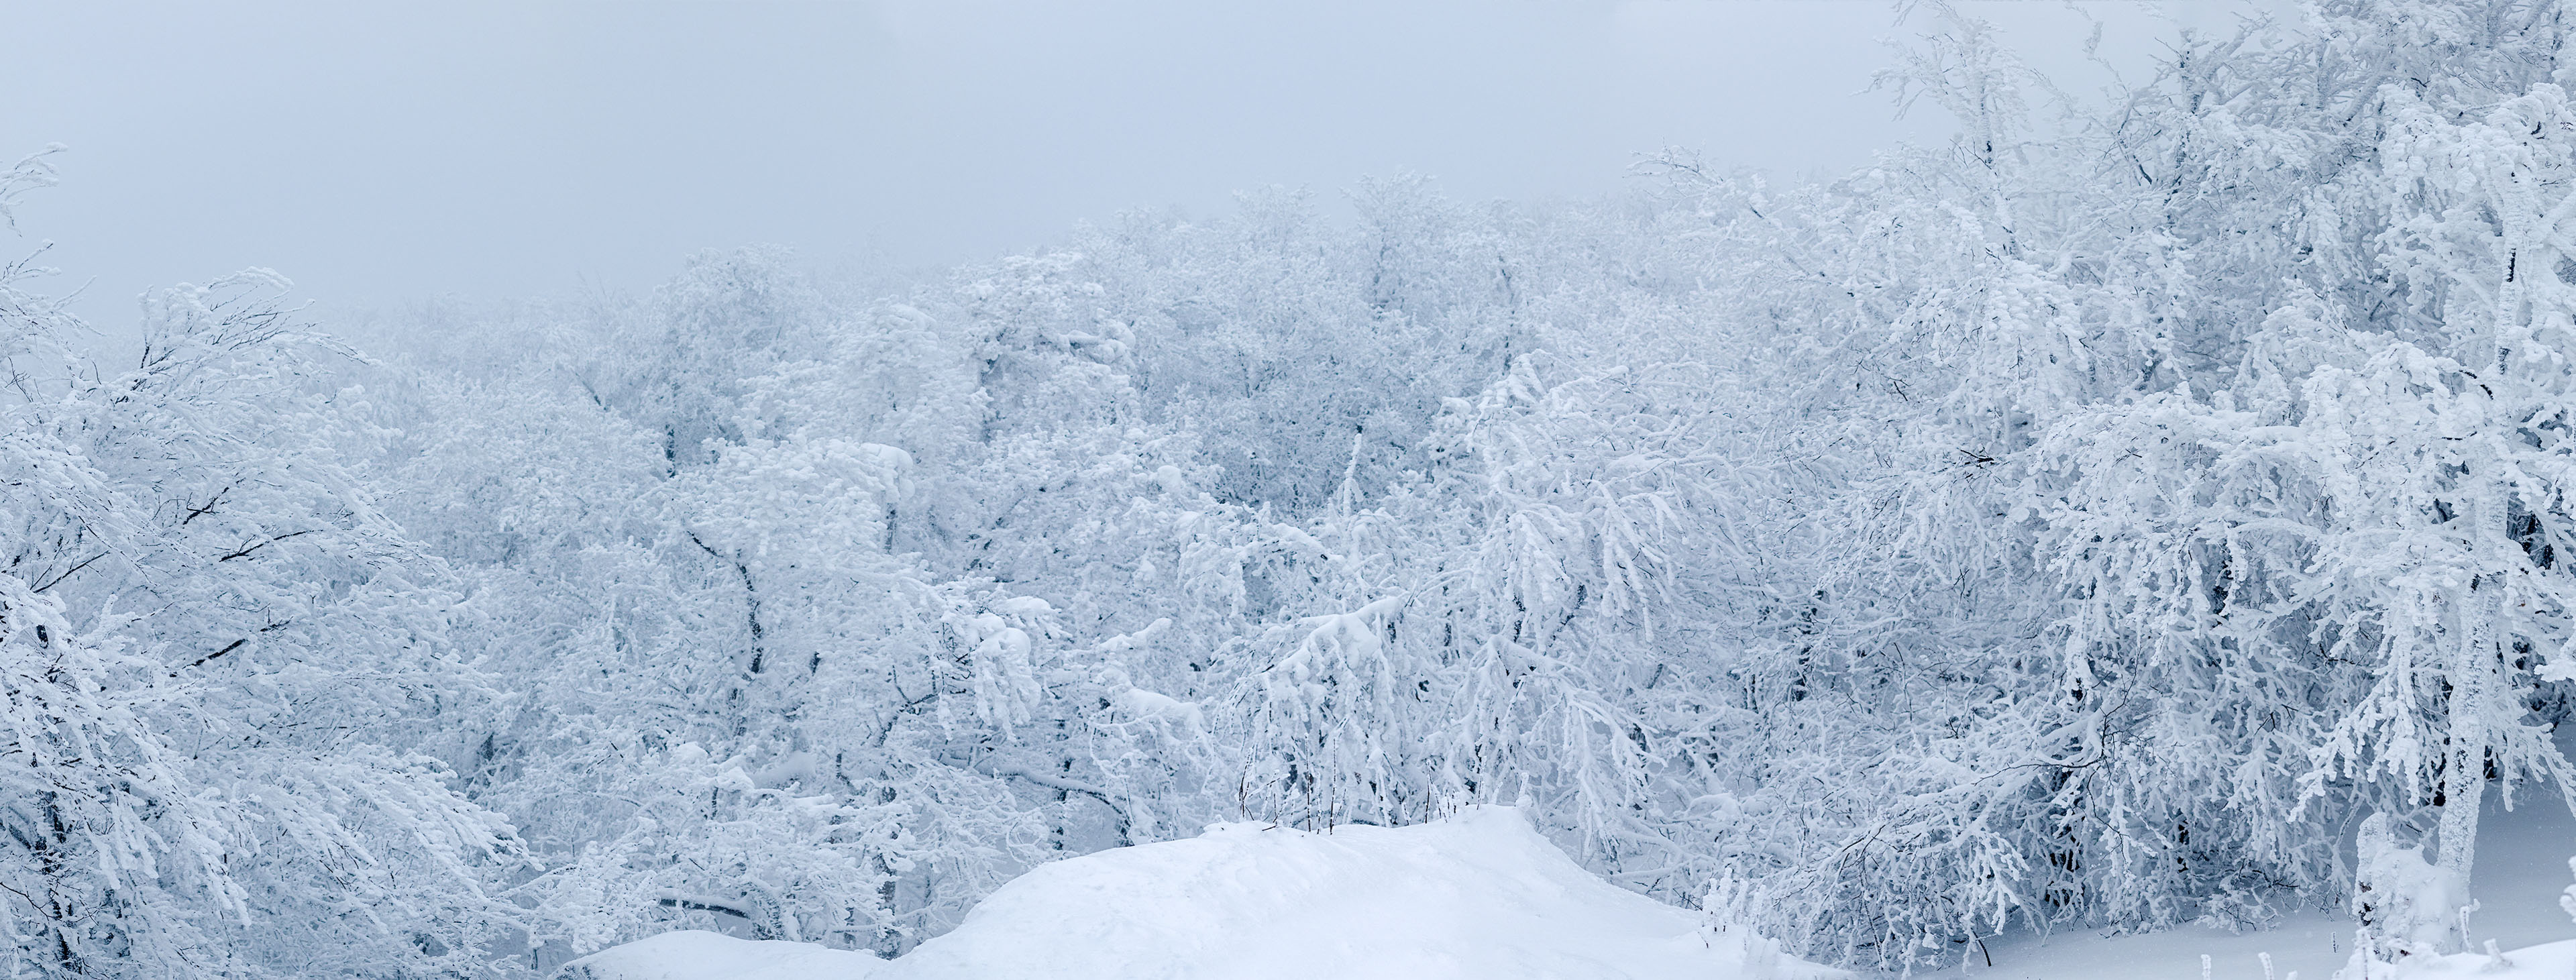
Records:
x=67, y=573
x=255, y=547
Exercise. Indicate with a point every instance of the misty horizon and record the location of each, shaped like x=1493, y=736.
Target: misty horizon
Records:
x=387, y=155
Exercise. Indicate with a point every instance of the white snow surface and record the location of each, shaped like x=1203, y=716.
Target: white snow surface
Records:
x=1483, y=895
x=2549, y=961
x=1478, y=895
x=2521, y=870
x=693, y=954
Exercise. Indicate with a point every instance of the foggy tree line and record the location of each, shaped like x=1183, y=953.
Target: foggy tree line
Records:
x=2092, y=520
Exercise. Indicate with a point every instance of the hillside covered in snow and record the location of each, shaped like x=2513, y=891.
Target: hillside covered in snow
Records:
x=1479, y=896
x=1474, y=896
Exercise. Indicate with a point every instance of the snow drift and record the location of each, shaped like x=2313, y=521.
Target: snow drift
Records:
x=1479, y=895
x=693, y=954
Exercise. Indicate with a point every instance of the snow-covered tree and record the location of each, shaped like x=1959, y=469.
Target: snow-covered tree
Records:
x=229, y=679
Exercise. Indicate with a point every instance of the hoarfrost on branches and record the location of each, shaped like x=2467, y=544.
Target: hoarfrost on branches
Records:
x=2090, y=521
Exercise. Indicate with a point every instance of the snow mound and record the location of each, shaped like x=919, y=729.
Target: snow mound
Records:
x=2549, y=961
x=1480, y=895
x=691, y=954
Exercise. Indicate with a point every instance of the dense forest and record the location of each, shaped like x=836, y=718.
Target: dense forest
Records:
x=2104, y=518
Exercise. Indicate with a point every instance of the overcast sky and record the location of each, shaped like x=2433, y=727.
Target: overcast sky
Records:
x=377, y=153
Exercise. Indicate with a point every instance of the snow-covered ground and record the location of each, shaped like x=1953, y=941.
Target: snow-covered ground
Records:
x=2521, y=869
x=1479, y=896
x=1482, y=895
x=693, y=954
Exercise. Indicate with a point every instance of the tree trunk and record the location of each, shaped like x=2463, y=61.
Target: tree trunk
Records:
x=2465, y=767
